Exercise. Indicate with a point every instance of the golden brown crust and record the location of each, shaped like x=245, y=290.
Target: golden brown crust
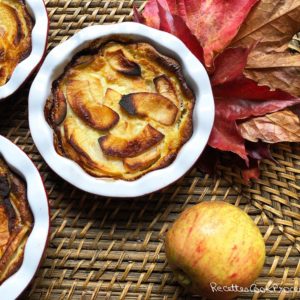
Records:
x=143, y=87
x=16, y=221
x=15, y=36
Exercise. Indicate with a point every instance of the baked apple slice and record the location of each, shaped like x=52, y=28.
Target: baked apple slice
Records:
x=142, y=161
x=120, y=147
x=83, y=96
x=58, y=110
x=122, y=64
x=165, y=87
x=152, y=105
x=82, y=146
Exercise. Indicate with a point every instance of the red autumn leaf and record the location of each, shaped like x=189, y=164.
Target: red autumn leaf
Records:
x=248, y=89
x=156, y=16
x=236, y=58
x=236, y=103
x=225, y=136
x=238, y=109
x=176, y=26
x=259, y=150
x=228, y=79
x=251, y=172
x=214, y=22
x=150, y=14
x=137, y=16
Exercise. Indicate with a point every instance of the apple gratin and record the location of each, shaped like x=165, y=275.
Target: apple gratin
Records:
x=16, y=221
x=15, y=36
x=120, y=109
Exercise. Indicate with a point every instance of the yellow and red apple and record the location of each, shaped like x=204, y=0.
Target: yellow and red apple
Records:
x=214, y=246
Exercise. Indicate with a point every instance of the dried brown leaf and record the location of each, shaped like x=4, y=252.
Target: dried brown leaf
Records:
x=281, y=126
x=274, y=60
x=277, y=70
x=284, y=78
x=272, y=24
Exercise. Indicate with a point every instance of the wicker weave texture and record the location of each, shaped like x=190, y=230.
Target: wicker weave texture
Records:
x=103, y=248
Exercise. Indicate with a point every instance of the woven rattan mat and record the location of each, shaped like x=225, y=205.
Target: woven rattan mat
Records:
x=104, y=248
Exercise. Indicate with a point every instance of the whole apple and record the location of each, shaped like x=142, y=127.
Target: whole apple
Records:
x=215, y=249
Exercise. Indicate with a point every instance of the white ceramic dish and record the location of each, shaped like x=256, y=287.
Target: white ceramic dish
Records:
x=166, y=43
x=13, y=286
x=23, y=70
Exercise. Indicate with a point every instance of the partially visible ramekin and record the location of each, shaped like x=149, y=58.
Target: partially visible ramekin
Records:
x=24, y=69
x=167, y=44
x=20, y=163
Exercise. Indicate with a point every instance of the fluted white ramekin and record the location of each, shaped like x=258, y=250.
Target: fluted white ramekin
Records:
x=20, y=163
x=38, y=11
x=167, y=44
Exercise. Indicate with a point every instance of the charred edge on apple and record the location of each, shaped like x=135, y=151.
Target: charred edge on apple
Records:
x=47, y=109
x=123, y=65
x=142, y=104
x=59, y=108
x=130, y=68
x=55, y=109
x=127, y=104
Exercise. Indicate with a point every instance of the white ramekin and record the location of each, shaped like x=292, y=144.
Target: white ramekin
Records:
x=19, y=162
x=39, y=36
x=166, y=43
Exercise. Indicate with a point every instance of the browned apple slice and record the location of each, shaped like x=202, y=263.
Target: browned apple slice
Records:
x=152, y=105
x=59, y=108
x=81, y=145
x=165, y=87
x=82, y=97
x=120, y=147
x=122, y=64
x=142, y=161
